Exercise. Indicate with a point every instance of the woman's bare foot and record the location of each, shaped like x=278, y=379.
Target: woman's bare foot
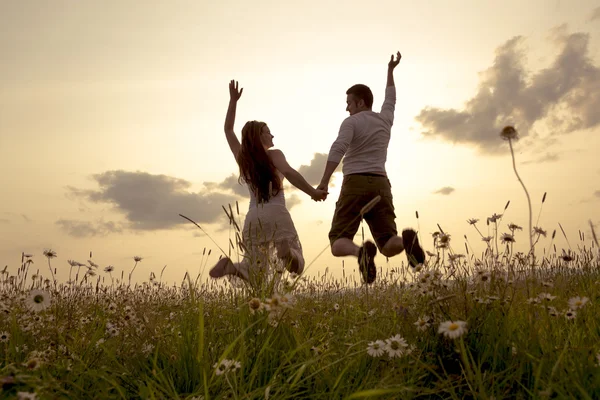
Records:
x=289, y=257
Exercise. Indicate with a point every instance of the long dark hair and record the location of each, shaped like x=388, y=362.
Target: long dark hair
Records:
x=256, y=168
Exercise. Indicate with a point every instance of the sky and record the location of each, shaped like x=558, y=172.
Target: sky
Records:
x=111, y=121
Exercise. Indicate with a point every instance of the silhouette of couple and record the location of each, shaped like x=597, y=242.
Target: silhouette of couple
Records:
x=362, y=142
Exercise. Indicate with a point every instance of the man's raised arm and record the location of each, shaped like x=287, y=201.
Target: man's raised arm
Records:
x=391, y=65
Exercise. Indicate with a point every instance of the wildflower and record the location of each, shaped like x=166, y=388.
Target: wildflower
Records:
x=484, y=276
x=509, y=133
x=109, y=269
x=487, y=239
x=93, y=264
x=546, y=296
x=443, y=240
x=4, y=336
x=49, y=253
x=255, y=305
x=548, y=283
x=453, y=329
x=336, y=306
x=507, y=238
x=577, y=302
x=226, y=366
x=539, y=231
x=26, y=396
x=422, y=323
x=137, y=258
x=395, y=346
x=100, y=342
x=376, y=348
x=514, y=227
x=38, y=300
x=552, y=311
x=472, y=221
x=495, y=217
x=33, y=363
x=567, y=257
x=570, y=314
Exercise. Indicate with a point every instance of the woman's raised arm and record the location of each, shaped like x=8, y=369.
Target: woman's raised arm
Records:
x=234, y=96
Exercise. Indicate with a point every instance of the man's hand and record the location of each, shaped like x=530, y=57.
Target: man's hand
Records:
x=323, y=186
x=319, y=195
x=234, y=93
x=392, y=64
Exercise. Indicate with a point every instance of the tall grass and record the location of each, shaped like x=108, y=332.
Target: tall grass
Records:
x=313, y=337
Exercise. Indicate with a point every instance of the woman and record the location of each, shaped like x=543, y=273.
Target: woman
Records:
x=268, y=226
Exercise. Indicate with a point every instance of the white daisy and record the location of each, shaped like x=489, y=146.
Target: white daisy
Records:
x=570, y=314
x=453, y=329
x=577, y=302
x=422, y=323
x=396, y=346
x=4, y=337
x=376, y=348
x=38, y=300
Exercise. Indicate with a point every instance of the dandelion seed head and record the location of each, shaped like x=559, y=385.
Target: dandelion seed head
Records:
x=509, y=133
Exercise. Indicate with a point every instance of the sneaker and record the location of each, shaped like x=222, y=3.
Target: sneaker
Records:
x=366, y=262
x=414, y=252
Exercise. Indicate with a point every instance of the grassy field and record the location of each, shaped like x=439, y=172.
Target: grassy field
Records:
x=498, y=326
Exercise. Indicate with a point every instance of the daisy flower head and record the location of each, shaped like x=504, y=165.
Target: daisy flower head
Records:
x=4, y=336
x=255, y=305
x=137, y=258
x=396, y=346
x=225, y=366
x=336, y=306
x=546, y=296
x=514, y=227
x=472, y=221
x=443, y=240
x=570, y=314
x=38, y=300
x=376, y=348
x=494, y=218
x=49, y=253
x=453, y=329
x=422, y=323
x=507, y=238
x=577, y=302
x=539, y=231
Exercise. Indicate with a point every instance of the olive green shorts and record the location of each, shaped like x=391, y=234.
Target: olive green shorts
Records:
x=357, y=191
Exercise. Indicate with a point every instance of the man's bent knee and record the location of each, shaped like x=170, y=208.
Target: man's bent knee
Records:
x=392, y=247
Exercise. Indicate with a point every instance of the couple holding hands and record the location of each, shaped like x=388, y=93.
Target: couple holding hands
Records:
x=362, y=142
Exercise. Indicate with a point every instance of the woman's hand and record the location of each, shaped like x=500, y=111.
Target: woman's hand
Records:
x=319, y=195
x=234, y=93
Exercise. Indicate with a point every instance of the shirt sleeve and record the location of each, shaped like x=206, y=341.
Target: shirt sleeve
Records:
x=341, y=144
x=389, y=104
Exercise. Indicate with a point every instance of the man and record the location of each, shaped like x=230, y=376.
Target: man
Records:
x=362, y=141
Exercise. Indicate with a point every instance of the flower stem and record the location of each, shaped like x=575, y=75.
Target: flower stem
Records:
x=512, y=153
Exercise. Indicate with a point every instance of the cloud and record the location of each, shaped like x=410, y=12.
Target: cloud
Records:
x=565, y=95
x=548, y=157
x=445, y=190
x=313, y=172
x=88, y=229
x=595, y=14
x=230, y=184
x=151, y=202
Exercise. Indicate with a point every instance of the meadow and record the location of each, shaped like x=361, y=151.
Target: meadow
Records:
x=494, y=326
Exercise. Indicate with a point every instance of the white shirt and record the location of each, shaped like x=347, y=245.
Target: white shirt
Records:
x=364, y=137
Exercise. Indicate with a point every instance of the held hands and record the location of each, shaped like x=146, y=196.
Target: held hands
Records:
x=319, y=195
x=234, y=93
x=392, y=64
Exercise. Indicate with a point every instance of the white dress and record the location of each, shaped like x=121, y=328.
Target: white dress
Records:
x=268, y=229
